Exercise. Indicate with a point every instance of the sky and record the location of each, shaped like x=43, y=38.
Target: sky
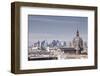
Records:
x=62, y=28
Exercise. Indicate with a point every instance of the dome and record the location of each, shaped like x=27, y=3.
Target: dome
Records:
x=78, y=42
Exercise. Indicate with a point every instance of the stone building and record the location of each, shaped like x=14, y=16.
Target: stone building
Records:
x=78, y=43
x=76, y=46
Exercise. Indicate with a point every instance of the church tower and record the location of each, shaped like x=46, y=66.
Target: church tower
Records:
x=78, y=43
x=77, y=34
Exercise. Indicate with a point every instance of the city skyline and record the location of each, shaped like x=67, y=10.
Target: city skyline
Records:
x=62, y=28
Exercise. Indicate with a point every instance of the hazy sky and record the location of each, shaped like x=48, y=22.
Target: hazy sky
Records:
x=61, y=28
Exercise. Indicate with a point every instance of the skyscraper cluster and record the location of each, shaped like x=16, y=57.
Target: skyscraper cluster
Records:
x=54, y=43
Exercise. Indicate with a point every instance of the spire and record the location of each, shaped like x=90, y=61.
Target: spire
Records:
x=77, y=34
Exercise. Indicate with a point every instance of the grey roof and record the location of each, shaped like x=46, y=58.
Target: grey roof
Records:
x=67, y=49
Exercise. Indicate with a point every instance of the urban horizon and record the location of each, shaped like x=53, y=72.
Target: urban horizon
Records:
x=57, y=37
x=62, y=28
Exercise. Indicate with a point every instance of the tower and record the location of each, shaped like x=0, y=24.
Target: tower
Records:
x=77, y=34
x=78, y=43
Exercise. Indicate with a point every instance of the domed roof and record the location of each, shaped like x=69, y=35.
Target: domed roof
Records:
x=77, y=41
x=77, y=36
